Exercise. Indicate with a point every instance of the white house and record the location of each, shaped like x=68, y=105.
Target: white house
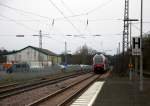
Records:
x=35, y=57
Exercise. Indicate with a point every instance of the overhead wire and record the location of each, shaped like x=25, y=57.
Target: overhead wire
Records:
x=64, y=16
x=57, y=18
x=100, y=6
x=35, y=14
x=70, y=10
x=27, y=12
x=21, y=24
x=91, y=11
x=53, y=20
x=67, y=7
x=88, y=12
x=137, y=28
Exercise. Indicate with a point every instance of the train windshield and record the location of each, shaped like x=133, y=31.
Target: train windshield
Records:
x=98, y=60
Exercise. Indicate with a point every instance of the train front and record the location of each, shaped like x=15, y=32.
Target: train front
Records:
x=99, y=64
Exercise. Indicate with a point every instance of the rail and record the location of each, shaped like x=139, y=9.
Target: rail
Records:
x=82, y=84
x=29, y=86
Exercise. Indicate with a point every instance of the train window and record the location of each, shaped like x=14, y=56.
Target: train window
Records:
x=98, y=60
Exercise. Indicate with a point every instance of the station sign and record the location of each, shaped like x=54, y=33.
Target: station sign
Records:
x=136, y=46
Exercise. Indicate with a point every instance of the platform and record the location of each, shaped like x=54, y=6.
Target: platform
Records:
x=120, y=91
x=116, y=91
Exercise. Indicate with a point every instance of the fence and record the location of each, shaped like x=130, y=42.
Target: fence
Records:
x=32, y=73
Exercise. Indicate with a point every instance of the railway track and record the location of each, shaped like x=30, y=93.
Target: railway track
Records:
x=8, y=86
x=14, y=89
x=66, y=94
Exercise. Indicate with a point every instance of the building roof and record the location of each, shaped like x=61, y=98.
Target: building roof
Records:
x=44, y=51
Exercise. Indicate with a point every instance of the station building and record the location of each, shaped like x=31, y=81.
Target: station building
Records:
x=35, y=57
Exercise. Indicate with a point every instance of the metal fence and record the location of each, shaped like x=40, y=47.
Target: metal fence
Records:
x=32, y=73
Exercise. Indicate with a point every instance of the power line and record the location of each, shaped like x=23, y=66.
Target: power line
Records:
x=138, y=28
x=90, y=11
x=27, y=12
x=80, y=20
x=57, y=18
x=21, y=24
x=71, y=16
x=64, y=16
x=35, y=14
x=100, y=6
x=67, y=7
x=26, y=20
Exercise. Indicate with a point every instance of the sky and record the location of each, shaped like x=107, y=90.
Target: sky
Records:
x=57, y=18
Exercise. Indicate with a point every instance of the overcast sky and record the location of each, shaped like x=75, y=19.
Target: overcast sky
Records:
x=27, y=17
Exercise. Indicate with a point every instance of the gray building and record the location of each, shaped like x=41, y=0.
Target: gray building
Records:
x=35, y=57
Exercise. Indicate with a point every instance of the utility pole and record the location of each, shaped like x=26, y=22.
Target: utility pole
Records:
x=118, y=57
x=141, y=56
x=40, y=46
x=130, y=60
x=130, y=54
x=130, y=34
x=125, y=41
x=40, y=39
x=65, y=53
x=125, y=35
x=119, y=48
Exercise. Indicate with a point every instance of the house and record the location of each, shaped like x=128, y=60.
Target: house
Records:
x=35, y=57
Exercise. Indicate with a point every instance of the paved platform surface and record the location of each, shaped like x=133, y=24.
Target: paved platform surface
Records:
x=119, y=91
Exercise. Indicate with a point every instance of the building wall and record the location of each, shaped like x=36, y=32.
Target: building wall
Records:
x=59, y=59
x=54, y=59
x=33, y=57
x=27, y=55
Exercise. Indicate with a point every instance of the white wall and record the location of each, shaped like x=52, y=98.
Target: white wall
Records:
x=27, y=55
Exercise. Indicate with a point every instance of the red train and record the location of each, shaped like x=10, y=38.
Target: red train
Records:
x=99, y=64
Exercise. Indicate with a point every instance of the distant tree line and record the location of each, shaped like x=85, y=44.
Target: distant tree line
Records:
x=84, y=55
x=146, y=53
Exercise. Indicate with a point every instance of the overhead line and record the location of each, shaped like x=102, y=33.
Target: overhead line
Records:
x=64, y=16
x=27, y=12
x=31, y=13
x=71, y=16
x=138, y=28
x=21, y=24
x=90, y=11
x=91, y=20
x=67, y=7
x=70, y=10
x=100, y=6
